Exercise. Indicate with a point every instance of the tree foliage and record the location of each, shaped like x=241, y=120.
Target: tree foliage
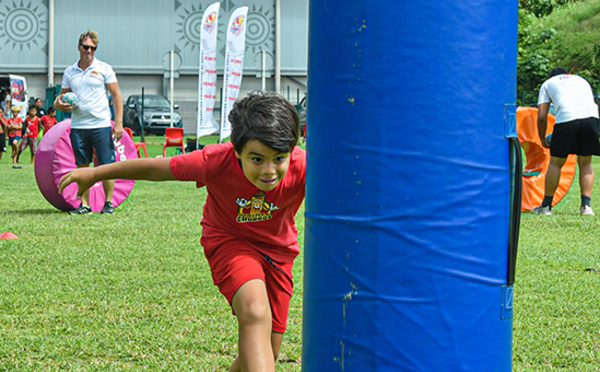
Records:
x=556, y=33
x=541, y=8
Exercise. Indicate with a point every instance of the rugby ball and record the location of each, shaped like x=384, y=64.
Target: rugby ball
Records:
x=71, y=99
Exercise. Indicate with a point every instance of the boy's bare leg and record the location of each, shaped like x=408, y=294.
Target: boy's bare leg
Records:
x=276, y=339
x=15, y=151
x=251, y=306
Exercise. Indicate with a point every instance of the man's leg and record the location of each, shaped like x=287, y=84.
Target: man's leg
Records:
x=586, y=183
x=85, y=197
x=109, y=188
x=553, y=176
x=586, y=175
x=550, y=186
x=105, y=153
x=83, y=157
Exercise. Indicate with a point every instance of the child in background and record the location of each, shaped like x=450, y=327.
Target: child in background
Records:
x=6, y=98
x=32, y=131
x=15, y=131
x=3, y=128
x=255, y=186
x=48, y=120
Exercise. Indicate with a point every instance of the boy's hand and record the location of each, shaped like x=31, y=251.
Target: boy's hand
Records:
x=84, y=177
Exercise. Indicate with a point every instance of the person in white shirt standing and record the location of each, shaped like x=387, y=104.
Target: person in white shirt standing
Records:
x=89, y=78
x=576, y=132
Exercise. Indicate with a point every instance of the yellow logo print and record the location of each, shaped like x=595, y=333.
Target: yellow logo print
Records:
x=256, y=209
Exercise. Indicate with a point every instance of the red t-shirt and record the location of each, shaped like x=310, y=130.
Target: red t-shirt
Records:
x=236, y=208
x=15, y=132
x=48, y=122
x=33, y=127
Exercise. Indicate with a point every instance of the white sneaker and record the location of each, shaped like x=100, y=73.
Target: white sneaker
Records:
x=542, y=210
x=586, y=210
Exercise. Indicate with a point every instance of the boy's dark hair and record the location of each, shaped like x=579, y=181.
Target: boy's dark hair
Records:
x=30, y=107
x=558, y=71
x=51, y=109
x=267, y=117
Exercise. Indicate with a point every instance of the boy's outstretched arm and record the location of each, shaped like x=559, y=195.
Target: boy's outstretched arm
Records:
x=152, y=169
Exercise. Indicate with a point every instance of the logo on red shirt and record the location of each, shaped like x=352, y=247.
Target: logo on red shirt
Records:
x=256, y=209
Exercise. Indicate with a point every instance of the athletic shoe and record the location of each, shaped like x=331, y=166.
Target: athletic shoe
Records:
x=586, y=210
x=83, y=209
x=108, y=208
x=17, y=166
x=542, y=210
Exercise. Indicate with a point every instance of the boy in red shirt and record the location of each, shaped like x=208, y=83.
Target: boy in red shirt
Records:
x=255, y=186
x=15, y=131
x=32, y=131
x=48, y=120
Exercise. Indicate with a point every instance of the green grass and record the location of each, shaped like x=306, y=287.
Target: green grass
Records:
x=127, y=291
x=557, y=303
x=132, y=291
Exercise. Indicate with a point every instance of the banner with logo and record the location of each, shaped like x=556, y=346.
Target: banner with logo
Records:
x=207, y=76
x=234, y=66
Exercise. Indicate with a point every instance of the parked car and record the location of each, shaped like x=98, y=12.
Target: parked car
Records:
x=156, y=114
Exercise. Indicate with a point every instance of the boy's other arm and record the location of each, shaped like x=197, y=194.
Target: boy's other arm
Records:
x=152, y=169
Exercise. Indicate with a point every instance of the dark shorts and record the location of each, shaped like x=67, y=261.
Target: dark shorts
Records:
x=576, y=137
x=84, y=141
x=12, y=139
x=3, y=142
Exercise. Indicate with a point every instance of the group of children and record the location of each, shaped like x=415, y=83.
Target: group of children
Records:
x=27, y=133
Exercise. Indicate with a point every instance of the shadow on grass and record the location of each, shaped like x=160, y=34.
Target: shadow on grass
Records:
x=31, y=212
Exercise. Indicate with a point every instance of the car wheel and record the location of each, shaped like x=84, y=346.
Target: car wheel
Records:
x=129, y=117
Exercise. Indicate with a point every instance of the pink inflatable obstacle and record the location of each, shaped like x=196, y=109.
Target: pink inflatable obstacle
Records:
x=54, y=159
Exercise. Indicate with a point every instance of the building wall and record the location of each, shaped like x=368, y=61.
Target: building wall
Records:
x=135, y=36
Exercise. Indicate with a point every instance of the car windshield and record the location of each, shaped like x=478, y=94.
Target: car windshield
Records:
x=158, y=102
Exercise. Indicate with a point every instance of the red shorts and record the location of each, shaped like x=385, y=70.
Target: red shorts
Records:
x=234, y=262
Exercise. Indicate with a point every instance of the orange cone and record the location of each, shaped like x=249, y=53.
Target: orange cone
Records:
x=538, y=159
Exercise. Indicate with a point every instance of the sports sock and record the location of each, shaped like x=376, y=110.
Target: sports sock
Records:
x=547, y=202
x=585, y=200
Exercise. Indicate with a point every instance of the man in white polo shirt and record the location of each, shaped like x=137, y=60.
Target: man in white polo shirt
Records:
x=90, y=78
x=575, y=132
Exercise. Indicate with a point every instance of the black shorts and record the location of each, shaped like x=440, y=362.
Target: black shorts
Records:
x=2, y=142
x=576, y=137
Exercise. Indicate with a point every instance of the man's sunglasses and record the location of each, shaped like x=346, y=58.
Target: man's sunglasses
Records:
x=88, y=47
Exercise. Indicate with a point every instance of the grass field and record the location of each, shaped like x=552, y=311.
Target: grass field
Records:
x=132, y=291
